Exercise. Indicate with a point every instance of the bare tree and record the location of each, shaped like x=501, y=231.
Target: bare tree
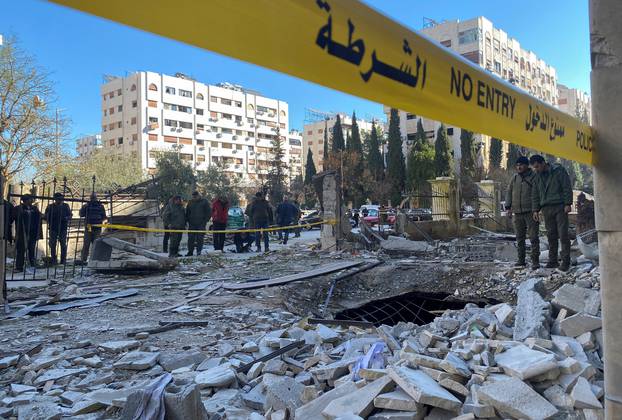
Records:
x=31, y=128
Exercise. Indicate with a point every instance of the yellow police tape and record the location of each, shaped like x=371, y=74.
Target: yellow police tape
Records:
x=346, y=45
x=270, y=229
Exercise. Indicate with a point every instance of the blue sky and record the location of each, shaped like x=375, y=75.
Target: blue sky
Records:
x=78, y=49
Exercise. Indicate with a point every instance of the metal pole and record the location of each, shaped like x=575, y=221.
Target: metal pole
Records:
x=606, y=77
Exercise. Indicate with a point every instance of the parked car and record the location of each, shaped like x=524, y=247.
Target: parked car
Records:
x=312, y=217
x=419, y=214
x=373, y=216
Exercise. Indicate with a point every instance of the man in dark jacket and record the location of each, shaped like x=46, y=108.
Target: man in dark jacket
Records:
x=198, y=213
x=519, y=202
x=553, y=195
x=94, y=213
x=174, y=216
x=286, y=213
x=27, y=231
x=261, y=214
x=58, y=216
x=220, y=214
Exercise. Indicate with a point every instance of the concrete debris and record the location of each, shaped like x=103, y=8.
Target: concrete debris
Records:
x=535, y=353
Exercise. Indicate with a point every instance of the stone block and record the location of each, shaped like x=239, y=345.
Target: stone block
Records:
x=517, y=399
x=86, y=406
x=54, y=374
x=558, y=397
x=327, y=334
x=423, y=388
x=119, y=346
x=454, y=386
x=359, y=402
x=582, y=395
x=505, y=314
x=397, y=400
x=39, y=411
x=533, y=312
x=580, y=323
x=184, y=402
x=172, y=361
x=332, y=371
x=17, y=389
x=256, y=397
x=454, y=364
x=219, y=376
x=524, y=363
x=137, y=360
x=313, y=409
x=420, y=360
x=282, y=392
x=577, y=299
x=397, y=415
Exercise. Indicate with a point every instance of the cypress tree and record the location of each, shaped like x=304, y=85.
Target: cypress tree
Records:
x=442, y=154
x=354, y=143
x=420, y=165
x=495, y=154
x=467, y=151
x=514, y=152
x=337, y=137
x=374, y=158
x=396, y=169
x=309, y=168
x=420, y=135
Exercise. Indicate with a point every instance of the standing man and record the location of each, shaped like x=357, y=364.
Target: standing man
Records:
x=174, y=217
x=553, y=195
x=167, y=235
x=286, y=213
x=58, y=216
x=297, y=219
x=198, y=213
x=220, y=213
x=94, y=213
x=519, y=201
x=27, y=231
x=261, y=214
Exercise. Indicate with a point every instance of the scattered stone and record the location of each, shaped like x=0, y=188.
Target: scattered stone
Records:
x=577, y=299
x=71, y=397
x=313, y=410
x=423, y=389
x=454, y=386
x=327, y=335
x=219, y=376
x=39, y=411
x=282, y=392
x=141, y=335
x=582, y=395
x=523, y=363
x=17, y=389
x=398, y=415
x=137, y=360
x=505, y=314
x=577, y=324
x=533, y=312
x=454, y=364
x=8, y=361
x=397, y=400
x=119, y=346
x=86, y=406
x=173, y=361
x=54, y=374
x=516, y=398
x=359, y=402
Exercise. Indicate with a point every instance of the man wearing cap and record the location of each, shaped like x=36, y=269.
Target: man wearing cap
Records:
x=198, y=213
x=58, y=216
x=27, y=219
x=553, y=195
x=519, y=201
x=94, y=213
x=174, y=217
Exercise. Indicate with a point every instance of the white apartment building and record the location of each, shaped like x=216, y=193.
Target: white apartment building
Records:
x=86, y=145
x=295, y=164
x=146, y=112
x=491, y=48
x=572, y=100
x=313, y=136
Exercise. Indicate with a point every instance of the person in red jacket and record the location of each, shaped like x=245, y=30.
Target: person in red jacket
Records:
x=220, y=209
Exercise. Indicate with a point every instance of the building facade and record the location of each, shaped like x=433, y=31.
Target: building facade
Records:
x=491, y=48
x=148, y=112
x=574, y=102
x=295, y=163
x=313, y=136
x=87, y=145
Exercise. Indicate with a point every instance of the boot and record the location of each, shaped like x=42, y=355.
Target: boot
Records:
x=520, y=263
x=552, y=264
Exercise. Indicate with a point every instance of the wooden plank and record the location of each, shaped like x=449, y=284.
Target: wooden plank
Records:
x=325, y=269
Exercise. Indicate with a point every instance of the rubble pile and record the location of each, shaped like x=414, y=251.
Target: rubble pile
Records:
x=540, y=358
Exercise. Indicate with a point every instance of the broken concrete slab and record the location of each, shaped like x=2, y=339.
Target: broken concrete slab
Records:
x=313, y=409
x=517, y=399
x=580, y=323
x=282, y=392
x=454, y=364
x=172, y=361
x=184, y=402
x=54, y=374
x=8, y=361
x=332, y=371
x=397, y=400
x=582, y=395
x=137, y=360
x=533, y=312
x=39, y=411
x=17, y=389
x=359, y=402
x=557, y=396
x=423, y=389
x=577, y=299
x=219, y=376
x=119, y=346
x=524, y=363
x=505, y=314
x=397, y=415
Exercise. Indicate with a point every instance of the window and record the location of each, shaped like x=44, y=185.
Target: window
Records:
x=225, y=101
x=282, y=125
x=169, y=90
x=227, y=131
x=153, y=120
x=111, y=95
x=200, y=127
x=119, y=92
x=112, y=142
x=120, y=140
x=134, y=137
x=111, y=111
x=215, y=159
x=510, y=54
x=214, y=144
x=186, y=109
x=310, y=143
x=170, y=123
x=320, y=142
x=185, y=140
x=185, y=93
x=170, y=107
x=120, y=108
x=153, y=137
x=238, y=119
x=104, y=128
x=250, y=107
x=184, y=124
x=249, y=120
x=186, y=156
x=295, y=142
x=105, y=112
x=170, y=139
x=200, y=96
x=133, y=88
x=446, y=43
x=410, y=116
x=283, y=114
x=199, y=111
x=227, y=116
x=227, y=146
x=469, y=36
x=250, y=134
x=450, y=131
x=237, y=104
x=200, y=158
x=213, y=99
x=134, y=104
x=133, y=120
x=153, y=104
x=496, y=45
x=239, y=132
x=120, y=124
x=251, y=148
x=213, y=114
x=310, y=132
x=153, y=87
x=497, y=66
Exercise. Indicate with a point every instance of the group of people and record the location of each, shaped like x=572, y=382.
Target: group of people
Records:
x=198, y=212
x=540, y=191
x=28, y=222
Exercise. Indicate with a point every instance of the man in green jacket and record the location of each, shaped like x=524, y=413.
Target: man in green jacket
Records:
x=553, y=196
x=174, y=217
x=198, y=213
x=519, y=201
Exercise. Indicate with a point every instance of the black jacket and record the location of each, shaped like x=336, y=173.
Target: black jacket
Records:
x=27, y=223
x=58, y=216
x=261, y=212
x=93, y=212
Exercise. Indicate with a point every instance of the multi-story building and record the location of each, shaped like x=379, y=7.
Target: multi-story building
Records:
x=574, y=102
x=294, y=144
x=146, y=112
x=313, y=136
x=491, y=48
x=87, y=145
